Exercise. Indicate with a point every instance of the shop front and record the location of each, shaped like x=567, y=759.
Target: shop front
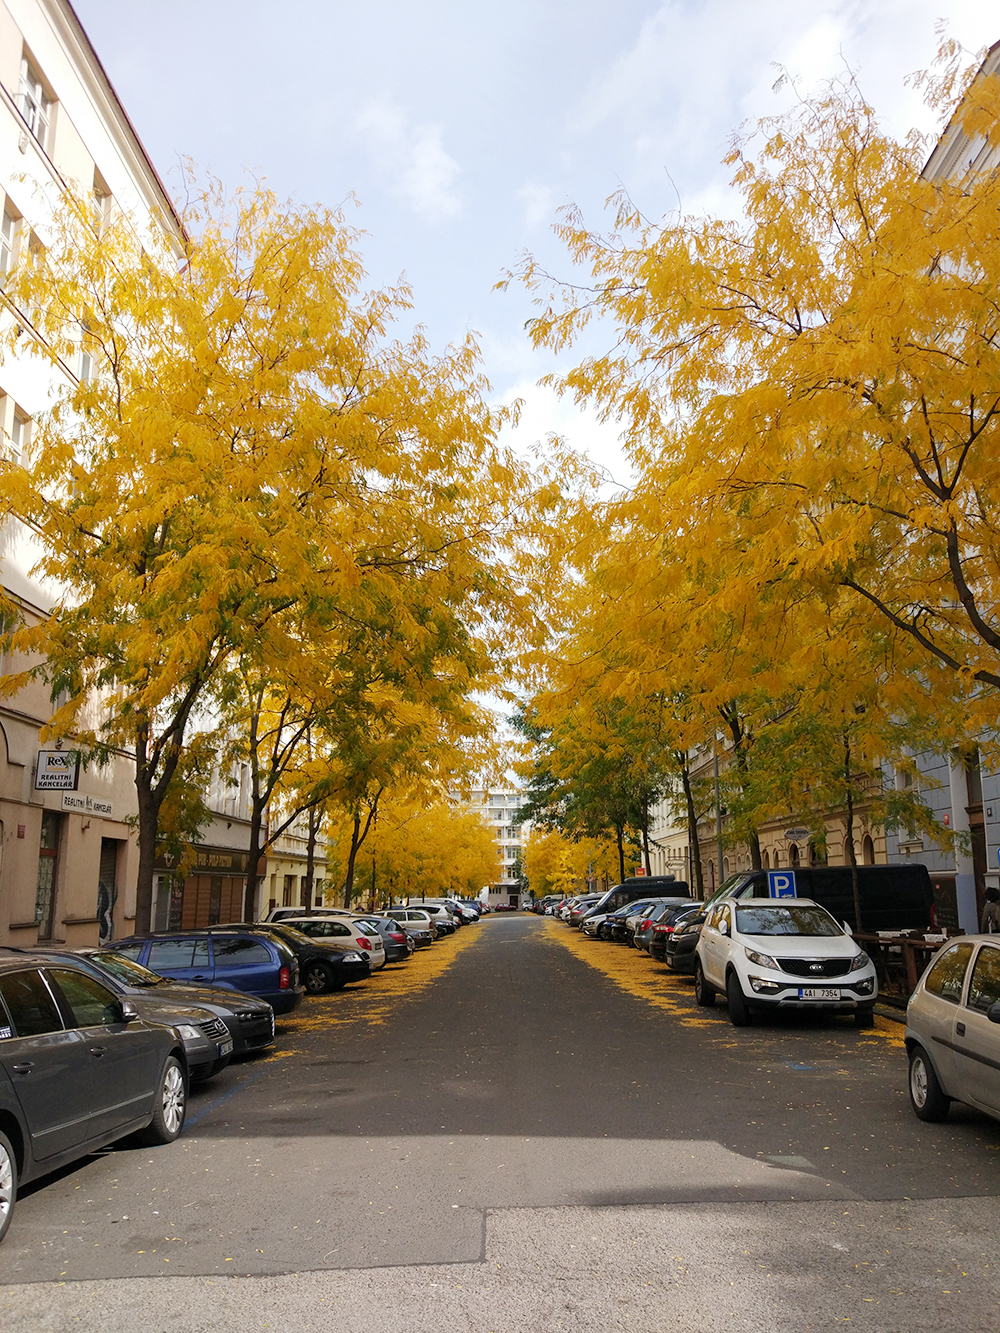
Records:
x=212, y=891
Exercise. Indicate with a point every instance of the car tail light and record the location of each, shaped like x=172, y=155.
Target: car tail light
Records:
x=397, y=939
x=644, y=925
x=362, y=943
x=933, y=916
x=284, y=978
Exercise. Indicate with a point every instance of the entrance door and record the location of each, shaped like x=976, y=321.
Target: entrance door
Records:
x=45, y=891
x=107, y=889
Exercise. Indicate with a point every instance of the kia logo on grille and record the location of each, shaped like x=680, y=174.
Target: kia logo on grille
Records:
x=815, y=967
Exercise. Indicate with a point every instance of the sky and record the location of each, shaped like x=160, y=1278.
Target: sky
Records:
x=460, y=127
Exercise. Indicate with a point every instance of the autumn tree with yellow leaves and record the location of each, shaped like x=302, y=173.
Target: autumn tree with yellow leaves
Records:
x=809, y=396
x=253, y=448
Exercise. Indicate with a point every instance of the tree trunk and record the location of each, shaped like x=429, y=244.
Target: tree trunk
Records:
x=645, y=834
x=692, y=823
x=351, y=858
x=849, y=838
x=315, y=818
x=619, y=836
x=257, y=808
x=755, y=857
x=148, y=813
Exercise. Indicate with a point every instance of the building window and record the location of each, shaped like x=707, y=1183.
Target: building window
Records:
x=34, y=103
x=287, y=891
x=793, y=854
x=8, y=240
x=867, y=850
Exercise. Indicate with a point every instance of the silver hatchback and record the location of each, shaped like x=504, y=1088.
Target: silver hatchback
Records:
x=953, y=1030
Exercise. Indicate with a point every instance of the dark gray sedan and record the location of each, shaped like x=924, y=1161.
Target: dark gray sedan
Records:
x=79, y=1069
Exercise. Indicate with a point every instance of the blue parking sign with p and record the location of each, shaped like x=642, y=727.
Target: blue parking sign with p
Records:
x=781, y=883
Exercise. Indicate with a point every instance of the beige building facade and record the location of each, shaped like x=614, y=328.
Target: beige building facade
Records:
x=67, y=858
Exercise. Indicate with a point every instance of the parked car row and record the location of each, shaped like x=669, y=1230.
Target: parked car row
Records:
x=761, y=954
x=104, y=1043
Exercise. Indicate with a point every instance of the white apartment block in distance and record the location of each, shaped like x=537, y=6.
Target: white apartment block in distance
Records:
x=502, y=811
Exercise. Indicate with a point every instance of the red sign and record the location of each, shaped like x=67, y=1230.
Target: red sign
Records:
x=640, y=870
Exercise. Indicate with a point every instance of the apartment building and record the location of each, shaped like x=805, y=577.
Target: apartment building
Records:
x=67, y=857
x=502, y=811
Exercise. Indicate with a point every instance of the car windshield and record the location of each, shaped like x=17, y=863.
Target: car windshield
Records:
x=134, y=974
x=785, y=921
x=290, y=933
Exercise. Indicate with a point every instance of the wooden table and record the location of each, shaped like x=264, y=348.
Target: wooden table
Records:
x=916, y=951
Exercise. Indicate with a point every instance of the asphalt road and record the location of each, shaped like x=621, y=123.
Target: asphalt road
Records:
x=521, y=1129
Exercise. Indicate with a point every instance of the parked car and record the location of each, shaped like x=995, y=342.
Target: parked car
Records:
x=250, y=1021
x=417, y=924
x=441, y=917
x=659, y=923
x=637, y=889
x=208, y=1046
x=283, y=913
x=467, y=910
x=326, y=964
x=953, y=1030
x=546, y=906
x=893, y=897
x=250, y=960
x=580, y=907
x=613, y=925
x=766, y=953
x=679, y=950
x=397, y=944
x=56, y=1022
x=626, y=923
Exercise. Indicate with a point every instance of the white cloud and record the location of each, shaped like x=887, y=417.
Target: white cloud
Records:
x=544, y=413
x=412, y=159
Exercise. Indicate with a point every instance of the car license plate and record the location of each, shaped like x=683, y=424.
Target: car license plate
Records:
x=225, y=1048
x=810, y=993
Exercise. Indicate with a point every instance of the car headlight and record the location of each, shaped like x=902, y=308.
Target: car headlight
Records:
x=351, y=957
x=189, y=1032
x=761, y=959
x=859, y=961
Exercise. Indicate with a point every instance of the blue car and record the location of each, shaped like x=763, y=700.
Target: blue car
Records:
x=238, y=960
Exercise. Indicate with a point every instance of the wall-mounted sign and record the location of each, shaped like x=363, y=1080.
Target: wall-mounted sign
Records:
x=88, y=805
x=796, y=834
x=57, y=770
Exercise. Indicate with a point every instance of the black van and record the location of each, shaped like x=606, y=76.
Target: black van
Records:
x=636, y=887
x=893, y=897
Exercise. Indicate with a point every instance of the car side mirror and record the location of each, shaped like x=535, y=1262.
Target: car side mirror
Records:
x=723, y=927
x=129, y=1012
x=847, y=928
x=993, y=1012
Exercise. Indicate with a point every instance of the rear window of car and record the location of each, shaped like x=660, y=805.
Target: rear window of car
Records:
x=984, y=985
x=30, y=1004
x=165, y=955
x=241, y=952
x=948, y=973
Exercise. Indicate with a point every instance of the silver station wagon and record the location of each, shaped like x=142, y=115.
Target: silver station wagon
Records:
x=953, y=1030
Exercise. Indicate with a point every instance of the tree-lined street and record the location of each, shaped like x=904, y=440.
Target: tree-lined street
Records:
x=522, y=1131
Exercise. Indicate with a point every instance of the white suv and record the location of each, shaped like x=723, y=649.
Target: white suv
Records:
x=781, y=953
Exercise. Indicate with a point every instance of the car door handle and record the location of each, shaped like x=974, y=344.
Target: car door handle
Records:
x=25, y=1067
x=201, y=978
x=960, y=1029
x=98, y=1050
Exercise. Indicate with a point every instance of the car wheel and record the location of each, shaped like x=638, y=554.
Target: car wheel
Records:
x=317, y=977
x=926, y=1097
x=8, y=1183
x=739, y=1010
x=169, y=1108
x=704, y=994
